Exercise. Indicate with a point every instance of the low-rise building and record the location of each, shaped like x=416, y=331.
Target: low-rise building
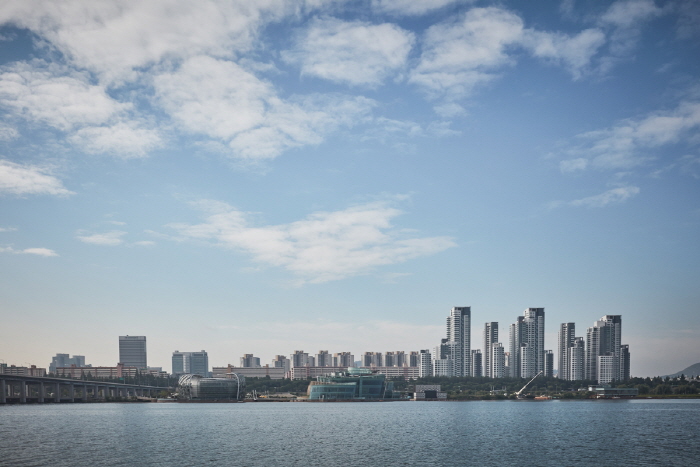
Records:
x=429, y=392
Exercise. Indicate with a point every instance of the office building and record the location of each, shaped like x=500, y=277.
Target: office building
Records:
x=490, y=337
x=459, y=340
x=193, y=363
x=132, y=351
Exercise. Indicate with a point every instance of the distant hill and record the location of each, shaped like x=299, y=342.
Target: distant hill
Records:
x=692, y=370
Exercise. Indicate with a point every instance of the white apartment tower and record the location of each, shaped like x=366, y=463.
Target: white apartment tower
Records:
x=459, y=339
x=527, y=356
x=490, y=338
x=566, y=337
x=497, y=360
x=605, y=361
x=425, y=364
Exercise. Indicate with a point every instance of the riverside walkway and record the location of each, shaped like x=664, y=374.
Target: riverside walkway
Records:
x=33, y=389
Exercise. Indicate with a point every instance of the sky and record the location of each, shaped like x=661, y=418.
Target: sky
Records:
x=271, y=176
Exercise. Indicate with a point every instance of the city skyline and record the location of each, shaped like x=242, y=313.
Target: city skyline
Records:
x=242, y=176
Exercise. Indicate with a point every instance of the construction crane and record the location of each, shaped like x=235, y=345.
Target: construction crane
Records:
x=519, y=394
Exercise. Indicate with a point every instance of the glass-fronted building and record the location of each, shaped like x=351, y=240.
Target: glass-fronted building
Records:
x=195, y=387
x=353, y=384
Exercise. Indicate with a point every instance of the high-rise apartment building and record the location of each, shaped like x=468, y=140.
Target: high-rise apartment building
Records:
x=344, y=359
x=605, y=361
x=548, y=363
x=372, y=359
x=576, y=366
x=323, y=358
x=425, y=364
x=527, y=344
x=132, y=351
x=413, y=358
x=301, y=359
x=497, y=360
x=192, y=363
x=248, y=360
x=280, y=361
x=477, y=363
x=62, y=360
x=459, y=339
x=490, y=338
x=566, y=338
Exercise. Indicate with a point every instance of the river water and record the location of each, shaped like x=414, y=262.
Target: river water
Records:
x=435, y=434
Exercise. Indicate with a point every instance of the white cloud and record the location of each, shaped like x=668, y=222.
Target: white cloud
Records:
x=410, y=7
x=17, y=179
x=356, y=53
x=246, y=113
x=61, y=99
x=113, y=39
x=8, y=133
x=112, y=238
x=122, y=139
x=7, y=229
x=626, y=17
x=628, y=143
x=573, y=165
x=29, y=251
x=572, y=52
x=614, y=196
x=323, y=247
x=459, y=55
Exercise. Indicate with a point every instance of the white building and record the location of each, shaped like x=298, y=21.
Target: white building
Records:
x=566, y=338
x=459, y=339
x=497, y=359
x=425, y=364
x=490, y=337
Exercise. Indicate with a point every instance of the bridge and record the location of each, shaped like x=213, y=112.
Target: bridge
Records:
x=27, y=389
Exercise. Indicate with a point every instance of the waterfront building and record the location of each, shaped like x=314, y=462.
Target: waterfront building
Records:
x=459, y=339
x=497, y=359
x=490, y=337
x=425, y=364
x=195, y=387
x=425, y=392
x=132, y=351
x=353, y=384
x=548, y=363
x=406, y=372
x=196, y=363
x=566, y=338
x=306, y=372
x=250, y=361
x=527, y=344
x=477, y=363
x=343, y=359
x=107, y=372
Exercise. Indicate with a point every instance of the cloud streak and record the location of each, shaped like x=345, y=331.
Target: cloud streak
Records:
x=323, y=247
x=18, y=179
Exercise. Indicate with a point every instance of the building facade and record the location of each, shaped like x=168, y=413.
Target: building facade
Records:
x=194, y=363
x=490, y=337
x=132, y=351
x=459, y=339
x=566, y=336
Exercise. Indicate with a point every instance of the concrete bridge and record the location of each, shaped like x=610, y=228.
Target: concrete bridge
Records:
x=26, y=389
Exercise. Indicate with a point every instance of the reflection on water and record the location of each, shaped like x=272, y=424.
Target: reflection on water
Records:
x=484, y=433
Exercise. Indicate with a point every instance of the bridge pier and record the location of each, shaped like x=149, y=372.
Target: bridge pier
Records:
x=22, y=392
x=57, y=393
x=41, y=393
x=3, y=392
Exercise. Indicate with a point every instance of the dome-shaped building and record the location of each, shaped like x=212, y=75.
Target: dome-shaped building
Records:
x=196, y=387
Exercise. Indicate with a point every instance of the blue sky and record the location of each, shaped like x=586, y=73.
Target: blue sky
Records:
x=264, y=177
